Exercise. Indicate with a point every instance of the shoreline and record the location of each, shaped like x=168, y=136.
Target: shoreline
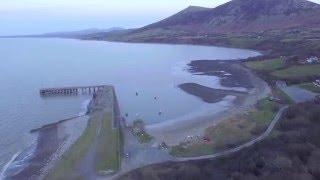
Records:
x=49, y=143
x=175, y=131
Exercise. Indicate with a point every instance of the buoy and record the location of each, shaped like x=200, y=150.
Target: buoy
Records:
x=155, y=98
x=137, y=94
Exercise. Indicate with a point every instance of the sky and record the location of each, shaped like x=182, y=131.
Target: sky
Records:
x=40, y=16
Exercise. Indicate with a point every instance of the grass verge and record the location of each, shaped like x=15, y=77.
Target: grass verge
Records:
x=266, y=65
x=64, y=168
x=108, y=146
x=295, y=71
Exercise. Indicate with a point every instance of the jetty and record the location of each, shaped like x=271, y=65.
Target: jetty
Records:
x=70, y=90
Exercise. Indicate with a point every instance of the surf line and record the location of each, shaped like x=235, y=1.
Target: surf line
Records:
x=2, y=175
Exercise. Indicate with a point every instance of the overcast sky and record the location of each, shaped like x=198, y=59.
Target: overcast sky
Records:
x=38, y=16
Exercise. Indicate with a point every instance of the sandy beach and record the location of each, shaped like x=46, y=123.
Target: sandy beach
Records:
x=232, y=74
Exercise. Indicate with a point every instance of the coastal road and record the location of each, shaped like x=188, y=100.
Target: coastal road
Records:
x=241, y=147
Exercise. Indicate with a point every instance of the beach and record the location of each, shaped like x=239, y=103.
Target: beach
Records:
x=232, y=76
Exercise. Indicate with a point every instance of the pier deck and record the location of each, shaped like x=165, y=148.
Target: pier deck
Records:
x=70, y=90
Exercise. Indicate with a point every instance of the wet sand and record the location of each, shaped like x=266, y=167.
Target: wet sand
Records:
x=47, y=145
x=209, y=95
x=231, y=103
x=231, y=74
x=51, y=142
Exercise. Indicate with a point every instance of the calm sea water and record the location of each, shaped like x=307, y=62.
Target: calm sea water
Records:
x=26, y=65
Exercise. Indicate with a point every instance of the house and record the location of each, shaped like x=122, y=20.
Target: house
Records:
x=317, y=83
x=312, y=60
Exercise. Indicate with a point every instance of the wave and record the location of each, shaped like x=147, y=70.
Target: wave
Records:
x=84, y=107
x=21, y=159
x=4, y=170
x=18, y=162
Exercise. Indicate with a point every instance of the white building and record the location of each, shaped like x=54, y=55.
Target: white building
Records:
x=312, y=60
x=317, y=83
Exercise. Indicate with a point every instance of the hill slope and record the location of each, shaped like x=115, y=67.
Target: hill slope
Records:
x=243, y=16
x=283, y=27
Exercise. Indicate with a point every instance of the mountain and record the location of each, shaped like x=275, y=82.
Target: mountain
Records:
x=239, y=16
x=234, y=17
x=277, y=26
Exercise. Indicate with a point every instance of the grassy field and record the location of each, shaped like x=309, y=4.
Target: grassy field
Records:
x=298, y=71
x=108, y=147
x=68, y=161
x=231, y=132
x=266, y=65
x=141, y=134
x=310, y=87
x=193, y=150
x=265, y=112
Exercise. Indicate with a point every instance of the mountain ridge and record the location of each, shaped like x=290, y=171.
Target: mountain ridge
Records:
x=279, y=27
x=239, y=16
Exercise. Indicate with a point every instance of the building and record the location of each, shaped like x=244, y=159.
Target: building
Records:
x=312, y=60
x=317, y=83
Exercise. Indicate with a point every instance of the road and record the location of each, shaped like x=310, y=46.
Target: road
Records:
x=297, y=94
